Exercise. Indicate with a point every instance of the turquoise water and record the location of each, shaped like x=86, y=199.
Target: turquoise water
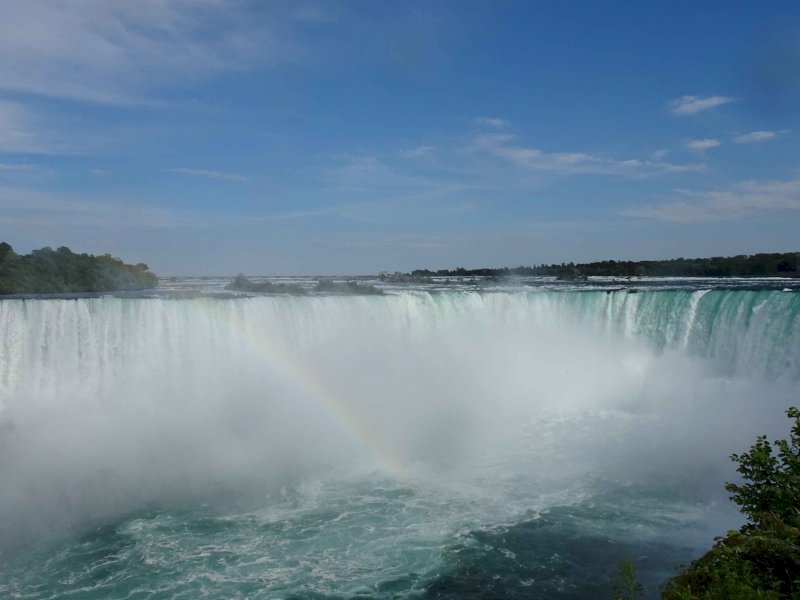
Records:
x=373, y=545
x=447, y=444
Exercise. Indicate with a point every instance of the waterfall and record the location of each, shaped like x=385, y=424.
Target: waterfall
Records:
x=50, y=348
x=108, y=404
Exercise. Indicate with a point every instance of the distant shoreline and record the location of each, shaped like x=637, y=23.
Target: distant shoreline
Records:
x=786, y=264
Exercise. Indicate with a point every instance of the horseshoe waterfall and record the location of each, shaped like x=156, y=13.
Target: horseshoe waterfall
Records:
x=417, y=444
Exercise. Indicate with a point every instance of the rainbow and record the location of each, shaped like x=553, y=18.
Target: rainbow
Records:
x=349, y=421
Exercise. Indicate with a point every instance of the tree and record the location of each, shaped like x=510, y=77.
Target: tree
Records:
x=771, y=487
x=626, y=586
x=47, y=270
x=762, y=559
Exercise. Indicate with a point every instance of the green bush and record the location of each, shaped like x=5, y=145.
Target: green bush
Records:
x=762, y=559
x=626, y=586
x=241, y=283
x=346, y=287
x=772, y=485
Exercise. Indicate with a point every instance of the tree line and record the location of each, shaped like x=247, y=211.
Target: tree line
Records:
x=744, y=265
x=63, y=271
x=240, y=283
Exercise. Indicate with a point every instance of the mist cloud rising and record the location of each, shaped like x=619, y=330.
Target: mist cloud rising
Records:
x=113, y=406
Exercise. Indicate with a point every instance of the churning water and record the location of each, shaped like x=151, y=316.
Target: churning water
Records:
x=454, y=443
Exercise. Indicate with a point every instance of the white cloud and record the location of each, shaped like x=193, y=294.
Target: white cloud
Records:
x=490, y=122
x=403, y=241
x=118, y=52
x=15, y=167
x=659, y=154
x=372, y=175
x=17, y=129
x=208, y=173
x=99, y=172
x=757, y=136
x=570, y=163
x=418, y=152
x=704, y=144
x=339, y=210
x=37, y=210
x=25, y=131
x=742, y=200
x=384, y=206
x=691, y=105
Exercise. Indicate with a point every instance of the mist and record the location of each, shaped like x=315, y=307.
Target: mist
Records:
x=113, y=406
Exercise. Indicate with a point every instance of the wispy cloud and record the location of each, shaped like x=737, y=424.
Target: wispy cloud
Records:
x=37, y=210
x=704, y=144
x=758, y=136
x=340, y=210
x=740, y=201
x=659, y=154
x=17, y=129
x=378, y=188
x=208, y=173
x=15, y=167
x=99, y=172
x=376, y=175
x=385, y=208
x=27, y=129
x=494, y=122
x=691, y=105
x=117, y=52
x=504, y=146
x=404, y=241
x=418, y=152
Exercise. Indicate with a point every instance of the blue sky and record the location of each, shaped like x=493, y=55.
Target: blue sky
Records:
x=213, y=137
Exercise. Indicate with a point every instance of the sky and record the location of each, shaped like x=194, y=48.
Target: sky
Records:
x=211, y=137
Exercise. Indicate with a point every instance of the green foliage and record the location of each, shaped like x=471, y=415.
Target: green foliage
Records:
x=772, y=264
x=398, y=277
x=241, y=283
x=626, y=586
x=762, y=559
x=48, y=270
x=570, y=273
x=346, y=287
x=772, y=482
